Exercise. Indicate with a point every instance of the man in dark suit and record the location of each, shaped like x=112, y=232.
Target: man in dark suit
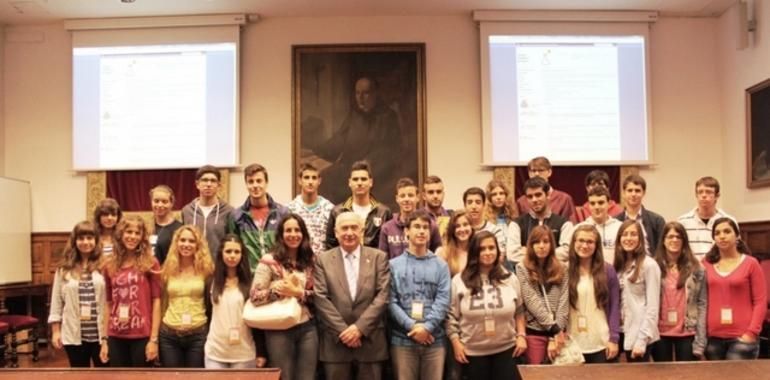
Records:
x=352, y=285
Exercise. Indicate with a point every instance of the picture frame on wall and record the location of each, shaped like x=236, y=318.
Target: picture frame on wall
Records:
x=758, y=135
x=359, y=101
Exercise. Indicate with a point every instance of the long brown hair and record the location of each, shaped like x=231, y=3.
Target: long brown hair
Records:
x=686, y=263
x=71, y=267
x=202, y=262
x=144, y=259
x=471, y=275
x=452, y=244
x=548, y=272
x=509, y=208
x=598, y=272
x=624, y=258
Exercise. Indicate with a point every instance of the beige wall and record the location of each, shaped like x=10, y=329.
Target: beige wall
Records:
x=685, y=99
x=739, y=70
x=2, y=98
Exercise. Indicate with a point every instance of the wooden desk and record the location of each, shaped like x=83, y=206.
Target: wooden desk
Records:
x=733, y=370
x=135, y=373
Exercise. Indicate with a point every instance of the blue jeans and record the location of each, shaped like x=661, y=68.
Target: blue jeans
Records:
x=294, y=351
x=182, y=350
x=730, y=349
x=418, y=362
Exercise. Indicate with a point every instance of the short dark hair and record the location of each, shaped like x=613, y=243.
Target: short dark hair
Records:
x=599, y=191
x=539, y=161
x=206, y=169
x=404, y=182
x=254, y=169
x=303, y=168
x=598, y=175
x=431, y=179
x=418, y=214
x=708, y=182
x=475, y=191
x=361, y=165
x=537, y=183
x=636, y=179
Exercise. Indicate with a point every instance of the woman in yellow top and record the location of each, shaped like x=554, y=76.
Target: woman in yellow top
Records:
x=186, y=275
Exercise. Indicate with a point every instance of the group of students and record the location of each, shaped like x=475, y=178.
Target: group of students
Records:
x=467, y=293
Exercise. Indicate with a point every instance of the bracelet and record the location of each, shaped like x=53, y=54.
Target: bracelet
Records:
x=154, y=340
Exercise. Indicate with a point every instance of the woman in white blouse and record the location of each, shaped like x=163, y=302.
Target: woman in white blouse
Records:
x=639, y=277
x=78, y=299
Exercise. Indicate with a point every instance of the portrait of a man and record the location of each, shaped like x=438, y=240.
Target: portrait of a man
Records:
x=354, y=103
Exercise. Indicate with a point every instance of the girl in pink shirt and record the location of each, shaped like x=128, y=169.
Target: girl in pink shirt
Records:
x=682, y=321
x=737, y=297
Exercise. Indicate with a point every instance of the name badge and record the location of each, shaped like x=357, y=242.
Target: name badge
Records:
x=153, y=240
x=85, y=312
x=417, y=310
x=123, y=313
x=235, y=336
x=489, y=326
x=727, y=316
x=186, y=320
x=672, y=317
x=582, y=323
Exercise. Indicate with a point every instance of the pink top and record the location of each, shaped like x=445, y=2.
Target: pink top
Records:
x=135, y=290
x=673, y=304
x=741, y=293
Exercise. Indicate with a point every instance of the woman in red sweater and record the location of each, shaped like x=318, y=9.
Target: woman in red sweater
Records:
x=737, y=297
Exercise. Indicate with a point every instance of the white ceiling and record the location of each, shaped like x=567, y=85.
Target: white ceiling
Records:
x=42, y=11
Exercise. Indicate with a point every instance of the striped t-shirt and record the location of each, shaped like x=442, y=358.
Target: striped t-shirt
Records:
x=89, y=331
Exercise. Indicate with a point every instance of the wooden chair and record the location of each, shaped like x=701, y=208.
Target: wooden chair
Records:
x=3, y=332
x=16, y=324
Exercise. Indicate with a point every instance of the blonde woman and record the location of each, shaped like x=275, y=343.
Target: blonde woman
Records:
x=77, y=300
x=132, y=282
x=455, y=249
x=186, y=276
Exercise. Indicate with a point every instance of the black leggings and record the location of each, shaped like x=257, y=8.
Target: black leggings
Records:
x=81, y=356
x=128, y=352
x=664, y=349
x=499, y=366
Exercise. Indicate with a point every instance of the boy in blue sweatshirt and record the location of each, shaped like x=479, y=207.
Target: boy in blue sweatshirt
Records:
x=419, y=299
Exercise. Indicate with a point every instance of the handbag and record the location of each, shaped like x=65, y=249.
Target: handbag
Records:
x=569, y=354
x=277, y=315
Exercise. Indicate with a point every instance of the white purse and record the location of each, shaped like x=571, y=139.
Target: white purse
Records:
x=277, y=315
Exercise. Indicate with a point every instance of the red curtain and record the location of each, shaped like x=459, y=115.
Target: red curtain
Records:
x=131, y=188
x=571, y=180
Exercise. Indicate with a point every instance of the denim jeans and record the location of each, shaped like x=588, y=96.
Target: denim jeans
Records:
x=294, y=351
x=418, y=362
x=181, y=351
x=730, y=349
x=213, y=364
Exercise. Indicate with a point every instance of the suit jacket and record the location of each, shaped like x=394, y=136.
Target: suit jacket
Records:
x=336, y=310
x=653, y=227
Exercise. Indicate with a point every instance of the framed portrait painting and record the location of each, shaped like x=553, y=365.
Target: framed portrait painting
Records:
x=359, y=102
x=758, y=135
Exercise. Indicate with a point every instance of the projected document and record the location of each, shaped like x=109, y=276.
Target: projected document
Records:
x=155, y=106
x=167, y=113
x=578, y=100
x=568, y=100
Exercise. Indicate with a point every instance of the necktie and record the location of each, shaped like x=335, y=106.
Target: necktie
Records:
x=352, y=273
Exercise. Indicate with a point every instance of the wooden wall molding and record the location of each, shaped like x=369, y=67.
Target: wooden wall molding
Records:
x=757, y=236
x=47, y=255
